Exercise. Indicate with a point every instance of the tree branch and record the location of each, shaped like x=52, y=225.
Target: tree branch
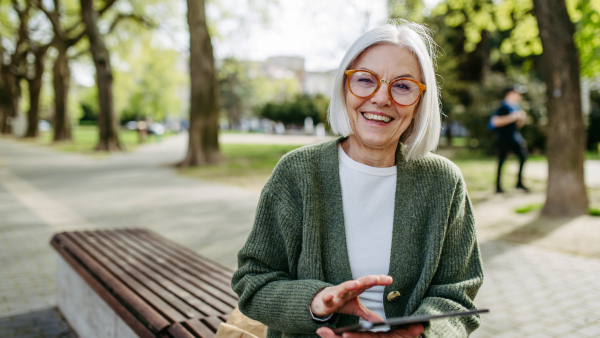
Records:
x=52, y=16
x=72, y=28
x=75, y=39
x=106, y=7
x=23, y=33
x=56, y=6
x=17, y=8
x=135, y=17
x=80, y=54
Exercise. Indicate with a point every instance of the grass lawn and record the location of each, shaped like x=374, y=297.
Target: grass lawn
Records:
x=249, y=166
x=592, y=155
x=245, y=165
x=85, y=140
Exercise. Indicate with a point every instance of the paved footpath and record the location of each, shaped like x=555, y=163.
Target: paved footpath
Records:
x=532, y=291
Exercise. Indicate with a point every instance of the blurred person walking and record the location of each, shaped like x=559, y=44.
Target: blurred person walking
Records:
x=506, y=122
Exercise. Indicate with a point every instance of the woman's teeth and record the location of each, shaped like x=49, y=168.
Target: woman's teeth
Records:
x=374, y=117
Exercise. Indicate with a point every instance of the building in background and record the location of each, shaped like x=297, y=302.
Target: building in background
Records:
x=282, y=67
x=319, y=83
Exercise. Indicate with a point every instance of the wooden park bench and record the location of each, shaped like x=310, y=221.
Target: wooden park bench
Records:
x=135, y=283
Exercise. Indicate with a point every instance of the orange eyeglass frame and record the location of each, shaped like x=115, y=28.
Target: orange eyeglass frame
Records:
x=349, y=73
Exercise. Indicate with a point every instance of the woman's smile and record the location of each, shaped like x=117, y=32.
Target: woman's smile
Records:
x=377, y=118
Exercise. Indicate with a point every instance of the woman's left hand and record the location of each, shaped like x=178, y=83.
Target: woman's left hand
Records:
x=413, y=331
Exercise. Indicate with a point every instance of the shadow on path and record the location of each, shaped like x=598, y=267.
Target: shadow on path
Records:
x=535, y=230
x=40, y=323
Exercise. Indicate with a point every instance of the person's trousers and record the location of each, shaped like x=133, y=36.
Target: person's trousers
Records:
x=519, y=148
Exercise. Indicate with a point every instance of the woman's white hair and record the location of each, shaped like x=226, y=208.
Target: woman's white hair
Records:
x=423, y=134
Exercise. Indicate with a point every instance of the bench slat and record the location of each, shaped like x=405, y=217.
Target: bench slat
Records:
x=216, y=267
x=156, y=282
x=199, y=328
x=155, y=285
x=181, y=273
x=212, y=322
x=193, y=264
x=147, y=295
x=67, y=247
x=200, y=300
x=174, y=272
x=178, y=331
x=219, y=271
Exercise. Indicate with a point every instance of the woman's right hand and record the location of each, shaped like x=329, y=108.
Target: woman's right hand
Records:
x=343, y=298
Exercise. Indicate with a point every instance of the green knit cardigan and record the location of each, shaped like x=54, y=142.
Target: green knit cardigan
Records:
x=298, y=245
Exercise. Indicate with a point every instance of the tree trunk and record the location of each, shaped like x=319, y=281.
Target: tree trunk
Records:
x=62, y=76
x=3, y=107
x=566, y=194
x=203, y=145
x=107, y=122
x=12, y=96
x=35, y=88
x=448, y=131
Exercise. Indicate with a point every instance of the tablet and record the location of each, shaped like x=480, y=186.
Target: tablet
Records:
x=400, y=322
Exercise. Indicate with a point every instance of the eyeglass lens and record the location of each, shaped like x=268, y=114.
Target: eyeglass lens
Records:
x=363, y=84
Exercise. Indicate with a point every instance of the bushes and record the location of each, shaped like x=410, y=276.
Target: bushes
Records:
x=294, y=112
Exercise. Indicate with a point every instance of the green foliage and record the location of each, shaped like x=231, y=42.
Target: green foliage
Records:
x=295, y=111
x=244, y=88
x=272, y=90
x=594, y=211
x=529, y=208
x=476, y=16
x=90, y=107
x=236, y=90
x=586, y=15
x=8, y=21
x=148, y=79
x=408, y=10
x=515, y=23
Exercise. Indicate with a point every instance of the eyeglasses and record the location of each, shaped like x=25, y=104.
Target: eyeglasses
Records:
x=403, y=91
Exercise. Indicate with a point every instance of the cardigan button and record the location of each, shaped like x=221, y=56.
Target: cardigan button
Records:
x=392, y=296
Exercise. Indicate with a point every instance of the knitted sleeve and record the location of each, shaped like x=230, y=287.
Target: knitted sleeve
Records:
x=459, y=274
x=265, y=279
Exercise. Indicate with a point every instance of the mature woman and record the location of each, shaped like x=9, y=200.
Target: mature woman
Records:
x=371, y=225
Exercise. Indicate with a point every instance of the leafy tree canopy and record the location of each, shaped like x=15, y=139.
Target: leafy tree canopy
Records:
x=517, y=18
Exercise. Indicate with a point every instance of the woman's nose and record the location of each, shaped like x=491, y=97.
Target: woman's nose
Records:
x=382, y=97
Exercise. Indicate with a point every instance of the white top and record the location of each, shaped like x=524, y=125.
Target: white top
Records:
x=368, y=196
